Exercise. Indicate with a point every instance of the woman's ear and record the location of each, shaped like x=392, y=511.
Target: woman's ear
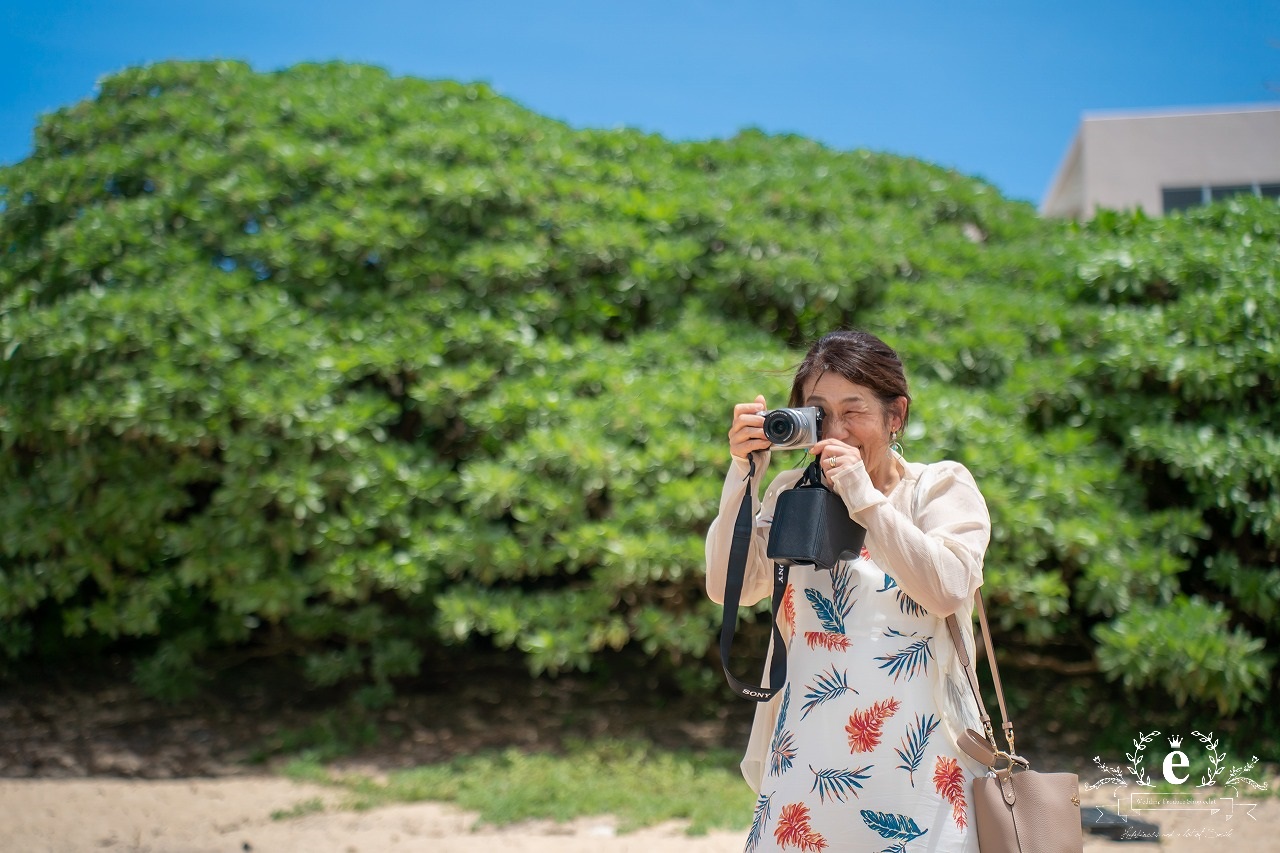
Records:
x=899, y=414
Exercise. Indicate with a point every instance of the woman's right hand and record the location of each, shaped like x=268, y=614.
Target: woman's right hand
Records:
x=746, y=435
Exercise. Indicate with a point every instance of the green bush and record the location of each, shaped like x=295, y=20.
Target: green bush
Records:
x=332, y=365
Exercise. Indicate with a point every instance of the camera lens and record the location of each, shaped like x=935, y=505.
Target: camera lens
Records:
x=780, y=426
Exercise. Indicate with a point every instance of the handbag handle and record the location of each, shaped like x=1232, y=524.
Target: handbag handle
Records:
x=957, y=637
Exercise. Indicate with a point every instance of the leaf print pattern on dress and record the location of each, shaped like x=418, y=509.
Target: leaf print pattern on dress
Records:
x=763, y=811
x=948, y=780
x=828, y=614
x=864, y=727
x=914, y=743
x=912, y=660
x=793, y=829
x=789, y=611
x=830, y=642
x=830, y=686
x=782, y=751
x=906, y=603
x=842, y=586
x=832, y=637
x=893, y=827
x=838, y=784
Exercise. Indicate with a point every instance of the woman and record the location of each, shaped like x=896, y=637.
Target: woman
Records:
x=858, y=751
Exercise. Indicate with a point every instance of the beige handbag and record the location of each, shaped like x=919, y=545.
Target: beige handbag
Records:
x=1016, y=809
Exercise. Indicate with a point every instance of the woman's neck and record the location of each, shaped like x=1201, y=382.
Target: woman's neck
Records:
x=885, y=475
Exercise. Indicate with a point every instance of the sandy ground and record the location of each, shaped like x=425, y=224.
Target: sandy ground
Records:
x=234, y=815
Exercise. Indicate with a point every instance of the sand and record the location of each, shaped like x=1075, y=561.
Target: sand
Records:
x=235, y=815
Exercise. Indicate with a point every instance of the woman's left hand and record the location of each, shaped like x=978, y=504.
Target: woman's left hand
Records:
x=833, y=455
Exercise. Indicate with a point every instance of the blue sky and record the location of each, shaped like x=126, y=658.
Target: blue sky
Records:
x=993, y=89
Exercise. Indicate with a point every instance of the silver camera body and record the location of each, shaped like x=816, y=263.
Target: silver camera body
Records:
x=788, y=429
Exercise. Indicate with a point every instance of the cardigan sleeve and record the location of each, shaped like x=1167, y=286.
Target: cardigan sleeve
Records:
x=757, y=580
x=935, y=556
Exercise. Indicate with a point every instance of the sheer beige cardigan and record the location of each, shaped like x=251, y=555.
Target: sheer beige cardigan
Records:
x=929, y=534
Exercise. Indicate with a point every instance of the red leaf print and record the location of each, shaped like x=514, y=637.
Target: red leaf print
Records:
x=864, y=553
x=793, y=829
x=829, y=641
x=948, y=779
x=789, y=609
x=865, y=726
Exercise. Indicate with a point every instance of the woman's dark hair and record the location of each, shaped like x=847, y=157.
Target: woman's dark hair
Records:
x=859, y=357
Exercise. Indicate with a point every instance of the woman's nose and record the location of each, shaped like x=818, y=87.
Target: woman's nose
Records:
x=834, y=428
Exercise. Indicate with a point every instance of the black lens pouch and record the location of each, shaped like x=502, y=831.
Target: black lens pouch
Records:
x=811, y=525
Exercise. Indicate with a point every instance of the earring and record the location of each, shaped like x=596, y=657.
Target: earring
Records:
x=894, y=444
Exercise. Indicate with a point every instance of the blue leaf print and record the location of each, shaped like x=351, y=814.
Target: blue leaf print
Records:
x=914, y=743
x=783, y=749
x=842, y=586
x=830, y=685
x=906, y=603
x=911, y=661
x=782, y=712
x=838, y=784
x=763, y=812
x=830, y=618
x=895, y=827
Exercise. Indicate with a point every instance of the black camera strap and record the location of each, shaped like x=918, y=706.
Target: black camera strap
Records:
x=738, y=552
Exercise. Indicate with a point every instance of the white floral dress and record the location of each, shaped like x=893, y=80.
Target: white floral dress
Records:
x=858, y=760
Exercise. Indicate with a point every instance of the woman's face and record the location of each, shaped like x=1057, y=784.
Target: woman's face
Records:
x=853, y=414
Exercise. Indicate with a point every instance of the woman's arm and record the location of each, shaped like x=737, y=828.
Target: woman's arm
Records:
x=936, y=557
x=758, y=576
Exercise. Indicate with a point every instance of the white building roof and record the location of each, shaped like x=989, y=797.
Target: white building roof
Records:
x=1128, y=159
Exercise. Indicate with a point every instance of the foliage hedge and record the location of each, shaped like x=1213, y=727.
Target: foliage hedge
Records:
x=334, y=366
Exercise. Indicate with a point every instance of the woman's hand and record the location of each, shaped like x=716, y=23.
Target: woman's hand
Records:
x=833, y=454
x=746, y=435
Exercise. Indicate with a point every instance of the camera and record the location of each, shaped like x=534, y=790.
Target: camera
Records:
x=790, y=428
